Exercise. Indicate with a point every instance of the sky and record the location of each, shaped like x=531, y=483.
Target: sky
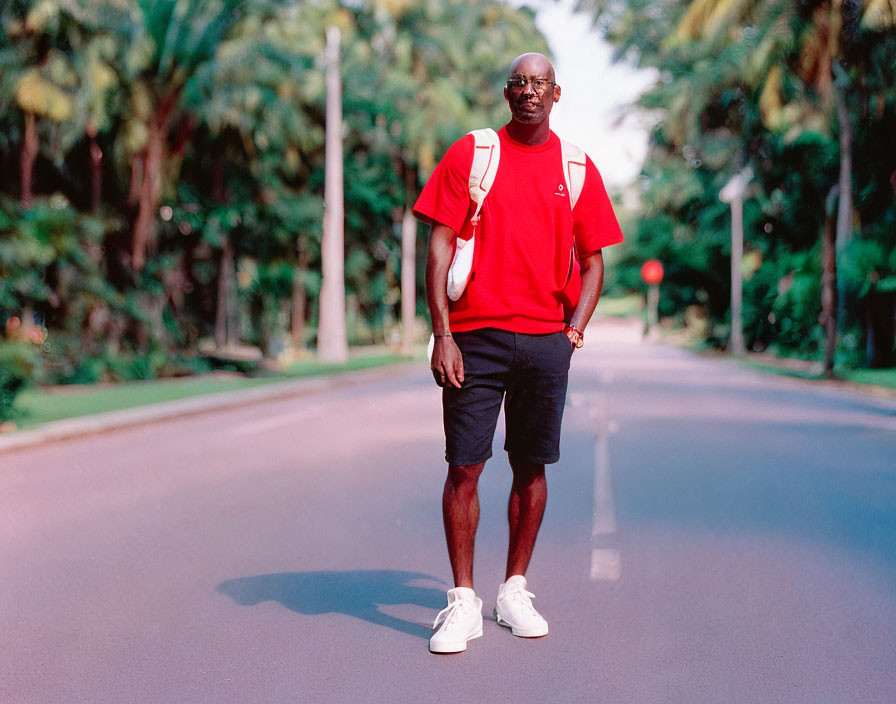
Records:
x=595, y=91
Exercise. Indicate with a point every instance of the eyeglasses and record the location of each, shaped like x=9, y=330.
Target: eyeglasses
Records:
x=518, y=83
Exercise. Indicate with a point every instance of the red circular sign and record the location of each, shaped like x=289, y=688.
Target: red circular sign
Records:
x=652, y=271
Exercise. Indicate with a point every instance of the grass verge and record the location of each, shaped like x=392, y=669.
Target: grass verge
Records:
x=630, y=306
x=877, y=377
x=37, y=406
x=881, y=378
x=878, y=382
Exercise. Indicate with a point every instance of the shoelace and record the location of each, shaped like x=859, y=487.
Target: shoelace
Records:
x=447, y=614
x=523, y=597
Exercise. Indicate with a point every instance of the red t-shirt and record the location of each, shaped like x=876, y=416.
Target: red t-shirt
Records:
x=525, y=233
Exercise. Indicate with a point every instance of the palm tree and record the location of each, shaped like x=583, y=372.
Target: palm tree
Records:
x=180, y=38
x=815, y=40
x=455, y=86
x=256, y=100
x=38, y=73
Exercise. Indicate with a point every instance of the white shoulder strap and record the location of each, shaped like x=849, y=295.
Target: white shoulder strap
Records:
x=574, y=170
x=486, y=155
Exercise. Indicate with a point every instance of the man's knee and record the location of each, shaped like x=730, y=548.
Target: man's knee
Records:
x=465, y=475
x=525, y=471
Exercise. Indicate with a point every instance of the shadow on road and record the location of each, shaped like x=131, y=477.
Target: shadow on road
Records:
x=356, y=593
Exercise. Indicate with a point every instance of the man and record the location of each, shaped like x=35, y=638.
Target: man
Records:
x=507, y=338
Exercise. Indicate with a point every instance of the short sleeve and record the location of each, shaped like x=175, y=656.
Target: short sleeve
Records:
x=594, y=222
x=446, y=196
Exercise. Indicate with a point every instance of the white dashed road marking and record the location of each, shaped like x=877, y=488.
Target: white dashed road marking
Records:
x=606, y=563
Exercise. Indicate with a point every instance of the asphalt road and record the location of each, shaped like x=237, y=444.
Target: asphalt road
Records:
x=712, y=535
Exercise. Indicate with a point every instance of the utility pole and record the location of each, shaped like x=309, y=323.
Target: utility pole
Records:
x=652, y=273
x=332, y=345
x=734, y=192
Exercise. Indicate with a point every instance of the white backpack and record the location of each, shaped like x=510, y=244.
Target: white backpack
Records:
x=486, y=157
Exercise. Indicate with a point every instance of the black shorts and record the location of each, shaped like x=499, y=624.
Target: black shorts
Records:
x=529, y=374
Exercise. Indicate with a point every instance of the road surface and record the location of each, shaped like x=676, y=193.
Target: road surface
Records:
x=712, y=535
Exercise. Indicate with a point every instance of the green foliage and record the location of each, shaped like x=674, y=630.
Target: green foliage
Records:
x=208, y=118
x=756, y=85
x=868, y=265
x=17, y=362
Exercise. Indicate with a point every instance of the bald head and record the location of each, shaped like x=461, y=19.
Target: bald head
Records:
x=532, y=64
x=531, y=91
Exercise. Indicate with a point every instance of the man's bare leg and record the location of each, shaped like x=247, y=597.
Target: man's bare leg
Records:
x=528, y=497
x=460, y=512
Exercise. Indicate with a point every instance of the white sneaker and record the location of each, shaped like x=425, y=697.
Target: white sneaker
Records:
x=457, y=623
x=515, y=611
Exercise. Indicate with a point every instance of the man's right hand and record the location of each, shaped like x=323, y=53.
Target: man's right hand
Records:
x=447, y=363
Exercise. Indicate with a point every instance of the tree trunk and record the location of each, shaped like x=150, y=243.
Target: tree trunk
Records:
x=136, y=185
x=30, y=147
x=332, y=344
x=736, y=341
x=299, y=303
x=150, y=192
x=408, y=280
x=223, y=334
x=844, y=211
x=880, y=323
x=828, y=318
x=27, y=320
x=96, y=175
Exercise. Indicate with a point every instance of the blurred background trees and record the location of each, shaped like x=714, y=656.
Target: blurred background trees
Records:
x=802, y=93
x=162, y=169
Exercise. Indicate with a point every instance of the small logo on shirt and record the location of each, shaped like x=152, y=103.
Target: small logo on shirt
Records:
x=559, y=191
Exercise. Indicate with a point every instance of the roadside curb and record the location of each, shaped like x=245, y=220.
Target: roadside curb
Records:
x=785, y=368
x=195, y=405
